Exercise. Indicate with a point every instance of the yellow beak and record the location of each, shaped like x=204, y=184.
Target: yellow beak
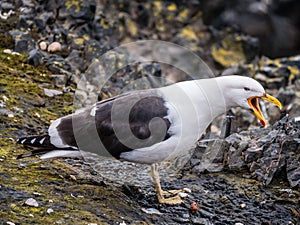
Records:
x=254, y=105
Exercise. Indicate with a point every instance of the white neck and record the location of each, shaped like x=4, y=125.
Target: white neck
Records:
x=196, y=102
x=206, y=94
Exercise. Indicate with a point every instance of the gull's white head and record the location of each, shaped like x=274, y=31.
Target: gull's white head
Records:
x=245, y=92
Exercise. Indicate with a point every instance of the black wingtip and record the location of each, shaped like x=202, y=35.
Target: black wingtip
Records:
x=36, y=141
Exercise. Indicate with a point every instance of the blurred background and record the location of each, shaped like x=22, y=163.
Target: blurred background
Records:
x=50, y=49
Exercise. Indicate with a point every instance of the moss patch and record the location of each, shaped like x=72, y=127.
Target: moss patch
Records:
x=48, y=182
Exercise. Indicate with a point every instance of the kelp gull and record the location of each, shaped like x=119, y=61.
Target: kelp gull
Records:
x=149, y=126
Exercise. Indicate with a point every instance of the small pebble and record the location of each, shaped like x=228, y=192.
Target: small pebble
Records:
x=32, y=202
x=238, y=224
x=15, y=53
x=51, y=92
x=7, y=51
x=151, y=211
x=10, y=223
x=10, y=115
x=185, y=215
x=43, y=45
x=243, y=205
x=50, y=210
x=183, y=195
x=73, y=177
x=54, y=47
x=194, y=207
x=187, y=190
x=17, y=109
x=4, y=98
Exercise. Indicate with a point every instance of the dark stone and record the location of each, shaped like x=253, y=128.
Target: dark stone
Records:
x=269, y=154
x=43, y=20
x=57, y=64
x=235, y=159
x=92, y=49
x=7, y=41
x=281, y=148
x=205, y=213
x=272, y=134
x=21, y=46
x=293, y=163
x=252, y=154
x=85, y=10
x=23, y=41
x=35, y=57
x=76, y=61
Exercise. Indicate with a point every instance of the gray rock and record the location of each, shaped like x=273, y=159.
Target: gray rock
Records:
x=293, y=171
x=6, y=6
x=268, y=153
x=43, y=19
x=205, y=213
x=57, y=64
x=76, y=61
x=252, y=154
x=35, y=57
x=23, y=41
x=235, y=158
x=60, y=80
x=201, y=221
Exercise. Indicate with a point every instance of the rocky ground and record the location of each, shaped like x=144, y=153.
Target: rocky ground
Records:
x=46, y=47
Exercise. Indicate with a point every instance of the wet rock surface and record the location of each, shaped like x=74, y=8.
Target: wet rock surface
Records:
x=47, y=46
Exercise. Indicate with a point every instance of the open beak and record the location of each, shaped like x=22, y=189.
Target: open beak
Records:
x=254, y=105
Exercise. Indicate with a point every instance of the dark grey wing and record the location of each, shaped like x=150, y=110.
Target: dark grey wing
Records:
x=117, y=125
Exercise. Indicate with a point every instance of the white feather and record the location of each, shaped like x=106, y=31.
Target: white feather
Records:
x=93, y=111
x=42, y=140
x=61, y=153
x=55, y=139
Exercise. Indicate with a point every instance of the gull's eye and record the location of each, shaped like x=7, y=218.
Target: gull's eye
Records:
x=246, y=89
